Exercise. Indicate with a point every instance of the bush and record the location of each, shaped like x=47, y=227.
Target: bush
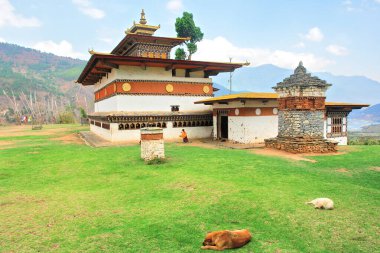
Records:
x=66, y=117
x=155, y=161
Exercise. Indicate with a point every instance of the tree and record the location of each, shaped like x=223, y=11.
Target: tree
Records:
x=180, y=54
x=185, y=27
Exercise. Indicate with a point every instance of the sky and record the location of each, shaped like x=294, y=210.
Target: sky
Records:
x=337, y=36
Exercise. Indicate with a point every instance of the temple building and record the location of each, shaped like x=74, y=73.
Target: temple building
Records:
x=137, y=84
x=297, y=115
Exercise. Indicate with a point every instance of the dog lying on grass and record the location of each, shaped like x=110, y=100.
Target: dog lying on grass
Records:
x=226, y=239
x=322, y=203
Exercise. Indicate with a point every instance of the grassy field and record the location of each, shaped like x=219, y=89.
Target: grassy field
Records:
x=57, y=195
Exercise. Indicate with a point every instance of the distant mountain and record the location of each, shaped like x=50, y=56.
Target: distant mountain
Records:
x=223, y=90
x=25, y=70
x=371, y=113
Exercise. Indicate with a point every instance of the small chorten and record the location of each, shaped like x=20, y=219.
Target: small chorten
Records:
x=301, y=111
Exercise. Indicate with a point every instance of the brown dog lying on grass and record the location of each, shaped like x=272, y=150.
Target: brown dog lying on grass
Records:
x=226, y=239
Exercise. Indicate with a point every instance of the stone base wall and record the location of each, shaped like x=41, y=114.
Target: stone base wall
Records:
x=300, y=123
x=302, y=144
x=152, y=149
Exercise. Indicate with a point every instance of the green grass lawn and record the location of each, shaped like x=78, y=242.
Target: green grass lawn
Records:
x=57, y=197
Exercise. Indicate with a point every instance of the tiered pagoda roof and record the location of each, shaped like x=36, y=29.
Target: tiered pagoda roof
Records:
x=143, y=33
x=140, y=48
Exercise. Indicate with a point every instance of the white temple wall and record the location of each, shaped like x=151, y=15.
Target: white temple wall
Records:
x=150, y=73
x=171, y=133
x=106, y=105
x=138, y=103
x=104, y=133
x=152, y=103
x=252, y=129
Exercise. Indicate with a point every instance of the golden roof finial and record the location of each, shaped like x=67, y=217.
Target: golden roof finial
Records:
x=142, y=19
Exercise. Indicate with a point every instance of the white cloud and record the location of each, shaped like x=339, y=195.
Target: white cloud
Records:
x=337, y=50
x=8, y=16
x=348, y=5
x=220, y=49
x=2, y=40
x=174, y=5
x=107, y=40
x=314, y=34
x=85, y=6
x=300, y=45
x=63, y=48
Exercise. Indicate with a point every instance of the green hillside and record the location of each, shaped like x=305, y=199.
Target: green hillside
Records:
x=25, y=69
x=47, y=79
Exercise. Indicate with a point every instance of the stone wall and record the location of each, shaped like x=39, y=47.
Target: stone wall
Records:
x=302, y=144
x=152, y=149
x=152, y=144
x=300, y=123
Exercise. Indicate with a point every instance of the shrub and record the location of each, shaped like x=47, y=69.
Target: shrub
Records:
x=66, y=117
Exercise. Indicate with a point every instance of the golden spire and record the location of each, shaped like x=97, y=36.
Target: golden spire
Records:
x=142, y=19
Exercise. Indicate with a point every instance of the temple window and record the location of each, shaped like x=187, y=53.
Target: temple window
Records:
x=336, y=125
x=174, y=108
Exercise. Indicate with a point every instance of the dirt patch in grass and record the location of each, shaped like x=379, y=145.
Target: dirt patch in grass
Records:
x=70, y=139
x=12, y=131
x=33, y=152
x=6, y=144
x=183, y=186
x=283, y=154
x=197, y=143
x=344, y=171
x=375, y=169
x=298, y=157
